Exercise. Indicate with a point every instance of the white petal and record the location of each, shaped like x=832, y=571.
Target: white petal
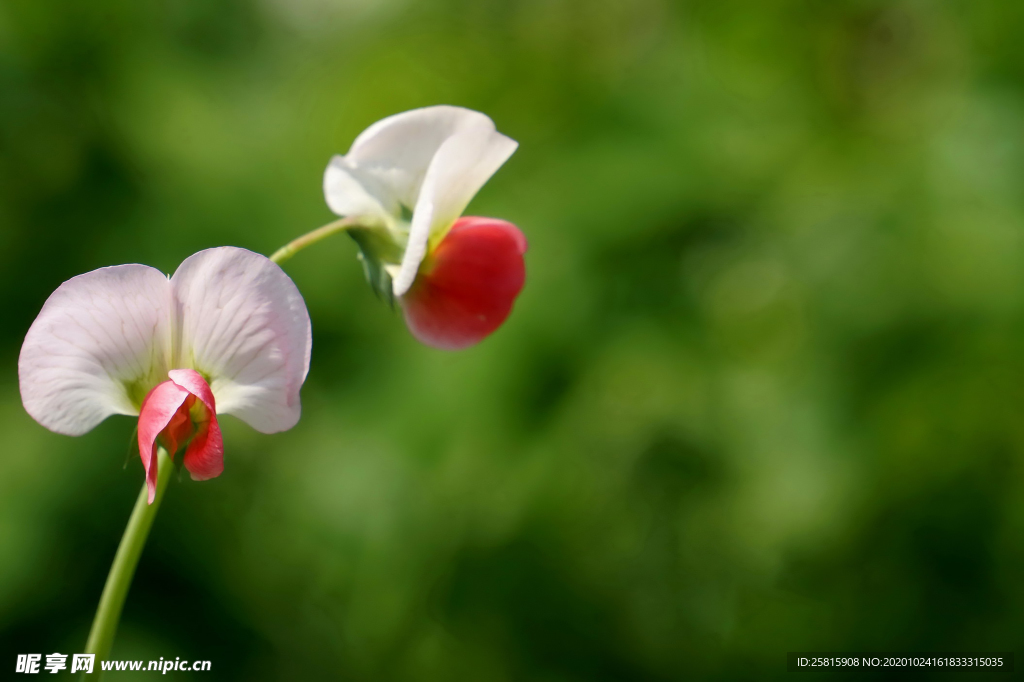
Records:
x=242, y=322
x=101, y=341
x=460, y=168
x=390, y=158
x=350, y=192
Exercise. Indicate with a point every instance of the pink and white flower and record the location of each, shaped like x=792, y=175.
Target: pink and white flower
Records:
x=228, y=333
x=407, y=179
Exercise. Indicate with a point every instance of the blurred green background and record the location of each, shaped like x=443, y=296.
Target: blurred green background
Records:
x=763, y=390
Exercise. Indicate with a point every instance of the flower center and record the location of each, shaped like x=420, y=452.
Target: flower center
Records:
x=181, y=412
x=188, y=420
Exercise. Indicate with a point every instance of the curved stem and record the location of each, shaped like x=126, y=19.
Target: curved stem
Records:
x=104, y=625
x=299, y=243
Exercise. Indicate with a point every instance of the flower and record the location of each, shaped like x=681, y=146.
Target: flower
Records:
x=228, y=333
x=406, y=181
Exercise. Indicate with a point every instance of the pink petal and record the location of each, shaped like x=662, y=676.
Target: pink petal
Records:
x=158, y=408
x=243, y=323
x=466, y=287
x=204, y=457
x=193, y=382
x=100, y=337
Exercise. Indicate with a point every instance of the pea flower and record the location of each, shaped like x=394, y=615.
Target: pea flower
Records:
x=405, y=183
x=228, y=333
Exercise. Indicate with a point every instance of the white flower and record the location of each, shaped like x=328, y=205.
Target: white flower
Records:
x=227, y=334
x=426, y=162
x=407, y=179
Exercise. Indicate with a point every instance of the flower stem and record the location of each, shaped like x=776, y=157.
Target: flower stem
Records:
x=299, y=243
x=104, y=625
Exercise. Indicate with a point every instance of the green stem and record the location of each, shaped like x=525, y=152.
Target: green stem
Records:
x=299, y=243
x=104, y=625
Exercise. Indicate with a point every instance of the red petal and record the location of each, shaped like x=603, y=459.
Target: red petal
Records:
x=159, y=406
x=465, y=288
x=204, y=457
x=193, y=382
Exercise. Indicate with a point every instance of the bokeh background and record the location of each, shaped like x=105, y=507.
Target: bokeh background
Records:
x=763, y=391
